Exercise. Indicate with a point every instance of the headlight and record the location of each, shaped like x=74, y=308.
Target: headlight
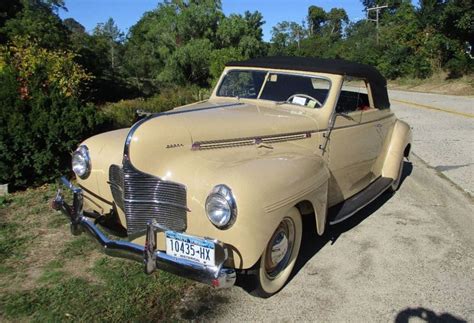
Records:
x=221, y=208
x=81, y=163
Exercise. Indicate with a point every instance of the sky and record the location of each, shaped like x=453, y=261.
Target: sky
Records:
x=127, y=12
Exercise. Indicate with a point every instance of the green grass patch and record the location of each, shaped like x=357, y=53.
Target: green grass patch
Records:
x=54, y=264
x=58, y=221
x=4, y=269
x=12, y=241
x=52, y=276
x=124, y=293
x=3, y=201
x=108, y=290
x=80, y=246
x=53, y=272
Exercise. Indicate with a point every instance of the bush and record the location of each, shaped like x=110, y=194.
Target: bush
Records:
x=459, y=65
x=36, y=136
x=41, y=117
x=122, y=114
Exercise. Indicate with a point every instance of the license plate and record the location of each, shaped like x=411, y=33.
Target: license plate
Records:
x=191, y=248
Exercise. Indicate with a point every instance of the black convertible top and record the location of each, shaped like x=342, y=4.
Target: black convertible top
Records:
x=377, y=82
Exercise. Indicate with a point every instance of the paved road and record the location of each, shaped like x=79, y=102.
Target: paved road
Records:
x=443, y=132
x=405, y=256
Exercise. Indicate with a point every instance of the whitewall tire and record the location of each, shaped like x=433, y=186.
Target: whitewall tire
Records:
x=280, y=255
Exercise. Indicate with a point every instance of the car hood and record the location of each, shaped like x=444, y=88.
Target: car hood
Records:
x=212, y=125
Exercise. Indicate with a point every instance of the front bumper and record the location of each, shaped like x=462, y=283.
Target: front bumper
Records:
x=217, y=276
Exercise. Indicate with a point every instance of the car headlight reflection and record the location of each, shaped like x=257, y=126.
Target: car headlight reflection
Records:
x=221, y=208
x=81, y=163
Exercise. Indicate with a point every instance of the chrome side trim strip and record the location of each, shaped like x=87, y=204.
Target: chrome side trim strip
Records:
x=256, y=140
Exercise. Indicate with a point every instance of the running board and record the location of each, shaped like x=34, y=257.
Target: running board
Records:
x=349, y=207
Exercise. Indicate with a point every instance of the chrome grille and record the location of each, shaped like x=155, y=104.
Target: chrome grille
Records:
x=144, y=197
x=116, y=185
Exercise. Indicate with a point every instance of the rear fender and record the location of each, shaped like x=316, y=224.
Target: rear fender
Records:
x=399, y=147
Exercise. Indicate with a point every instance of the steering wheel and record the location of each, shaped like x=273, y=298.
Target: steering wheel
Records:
x=310, y=98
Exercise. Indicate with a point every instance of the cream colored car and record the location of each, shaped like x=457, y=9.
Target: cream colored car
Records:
x=212, y=189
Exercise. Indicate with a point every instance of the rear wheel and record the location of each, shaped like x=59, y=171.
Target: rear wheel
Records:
x=279, y=257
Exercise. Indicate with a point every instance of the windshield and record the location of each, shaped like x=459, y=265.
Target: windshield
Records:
x=309, y=91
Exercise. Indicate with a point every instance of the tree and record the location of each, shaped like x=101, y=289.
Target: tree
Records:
x=8, y=10
x=457, y=25
x=112, y=36
x=429, y=12
x=360, y=43
x=243, y=33
x=174, y=42
x=230, y=31
x=316, y=18
x=401, y=44
x=74, y=26
x=196, y=19
x=159, y=41
x=189, y=64
x=150, y=41
x=286, y=38
x=254, y=22
x=457, y=20
x=39, y=21
x=336, y=19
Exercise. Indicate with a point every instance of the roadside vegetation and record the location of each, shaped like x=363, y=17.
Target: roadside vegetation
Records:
x=437, y=83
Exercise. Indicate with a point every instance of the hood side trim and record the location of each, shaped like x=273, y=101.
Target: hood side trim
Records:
x=249, y=141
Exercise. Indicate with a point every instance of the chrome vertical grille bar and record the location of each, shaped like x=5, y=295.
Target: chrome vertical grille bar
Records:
x=144, y=197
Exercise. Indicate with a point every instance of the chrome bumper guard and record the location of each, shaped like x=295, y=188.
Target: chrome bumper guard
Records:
x=218, y=276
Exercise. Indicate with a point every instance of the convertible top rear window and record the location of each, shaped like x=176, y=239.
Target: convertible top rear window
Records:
x=295, y=88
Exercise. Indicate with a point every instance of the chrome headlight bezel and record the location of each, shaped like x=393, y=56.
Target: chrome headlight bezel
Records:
x=81, y=158
x=221, y=194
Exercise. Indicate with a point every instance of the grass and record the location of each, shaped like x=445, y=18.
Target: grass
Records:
x=46, y=274
x=437, y=83
x=12, y=241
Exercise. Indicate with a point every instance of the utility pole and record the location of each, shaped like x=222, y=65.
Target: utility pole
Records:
x=377, y=15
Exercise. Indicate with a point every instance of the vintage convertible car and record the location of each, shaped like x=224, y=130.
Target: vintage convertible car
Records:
x=212, y=189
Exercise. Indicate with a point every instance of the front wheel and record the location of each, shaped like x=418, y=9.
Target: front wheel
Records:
x=279, y=257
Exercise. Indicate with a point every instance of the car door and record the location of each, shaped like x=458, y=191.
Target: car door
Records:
x=355, y=142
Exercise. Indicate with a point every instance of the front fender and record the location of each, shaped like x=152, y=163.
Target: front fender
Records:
x=266, y=184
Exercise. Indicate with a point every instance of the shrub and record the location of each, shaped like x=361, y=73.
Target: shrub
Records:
x=41, y=119
x=122, y=114
x=459, y=65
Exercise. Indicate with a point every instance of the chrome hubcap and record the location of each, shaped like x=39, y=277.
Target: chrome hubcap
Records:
x=279, y=248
